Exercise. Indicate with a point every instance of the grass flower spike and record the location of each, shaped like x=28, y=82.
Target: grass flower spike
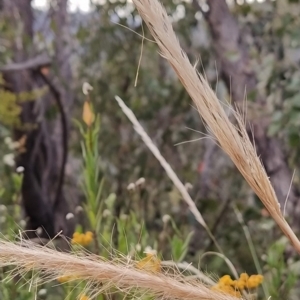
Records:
x=233, y=139
x=119, y=273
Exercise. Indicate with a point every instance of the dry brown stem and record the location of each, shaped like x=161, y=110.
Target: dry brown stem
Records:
x=95, y=270
x=233, y=140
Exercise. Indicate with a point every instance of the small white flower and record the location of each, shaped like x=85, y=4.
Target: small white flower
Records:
x=39, y=231
x=3, y=208
x=188, y=186
x=9, y=159
x=86, y=88
x=8, y=140
x=69, y=216
x=140, y=181
x=123, y=217
x=166, y=218
x=138, y=247
x=42, y=292
x=20, y=169
x=22, y=223
x=149, y=250
x=78, y=209
x=131, y=186
x=106, y=213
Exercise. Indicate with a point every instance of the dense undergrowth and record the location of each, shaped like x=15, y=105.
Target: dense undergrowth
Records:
x=147, y=222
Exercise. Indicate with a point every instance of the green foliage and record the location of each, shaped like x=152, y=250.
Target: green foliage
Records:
x=12, y=287
x=10, y=109
x=128, y=221
x=281, y=275
x=179, y=244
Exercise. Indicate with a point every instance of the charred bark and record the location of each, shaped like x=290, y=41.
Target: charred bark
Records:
x=45, y=154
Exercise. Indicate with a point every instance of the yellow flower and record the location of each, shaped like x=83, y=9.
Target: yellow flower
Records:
x=226, y=279
x=150, y=263
x=84, y=297
x=76, y=234
x=77, y=238
x=244, y=277
x=254, y=281
x=63, y=279
x=235, y=287
x=83, y=239
x=87, y=114
x=260, y=278
x=88, y=238
x=239, y=284
x=226, y=289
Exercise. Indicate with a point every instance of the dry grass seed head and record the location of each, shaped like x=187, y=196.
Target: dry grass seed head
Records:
x=233, y=140
x=119, y=275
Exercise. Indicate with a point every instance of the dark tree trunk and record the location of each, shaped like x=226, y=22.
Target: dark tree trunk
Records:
x=46, y=137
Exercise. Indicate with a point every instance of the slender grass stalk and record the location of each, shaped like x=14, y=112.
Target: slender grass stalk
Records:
x=251, y=247
x=227, y=261
x=188, y=267
x=172, y=175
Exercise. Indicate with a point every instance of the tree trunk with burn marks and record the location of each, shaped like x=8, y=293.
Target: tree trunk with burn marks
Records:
x=45, y=154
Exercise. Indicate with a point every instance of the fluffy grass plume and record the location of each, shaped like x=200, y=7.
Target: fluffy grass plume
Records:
x=121, y=274
x=233, y=140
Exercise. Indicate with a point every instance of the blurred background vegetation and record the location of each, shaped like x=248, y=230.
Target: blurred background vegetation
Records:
x=61, y=173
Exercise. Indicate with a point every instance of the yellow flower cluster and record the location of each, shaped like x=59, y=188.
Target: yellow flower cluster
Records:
x=150, y=263
x=83, y=239
x=63, y=279
x=235, y=287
